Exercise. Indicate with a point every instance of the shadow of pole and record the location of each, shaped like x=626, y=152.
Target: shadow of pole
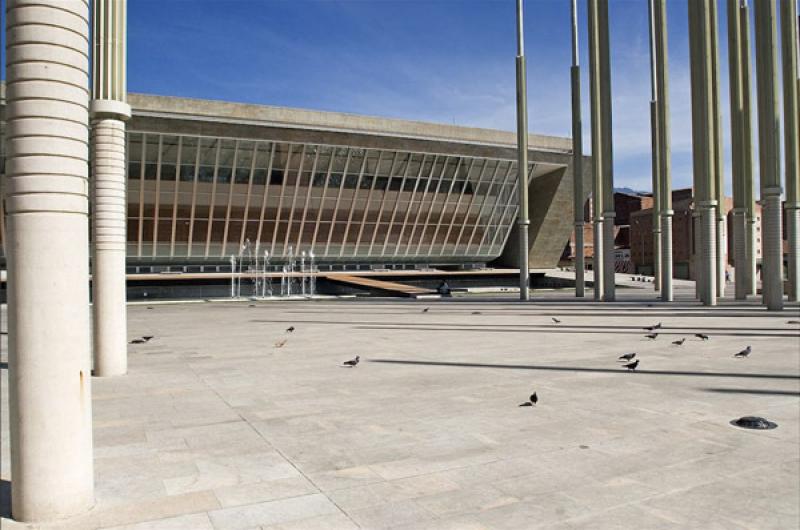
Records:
x=584, y=369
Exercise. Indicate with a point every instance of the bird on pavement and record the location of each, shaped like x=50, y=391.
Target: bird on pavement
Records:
x=557, y=321
x=289, y=329
x=352, y=362
x=531, y=401
x=652, y=336
x=793, y=321
x=147, y=338
x=701, y=336
x=627, y=357
x=476, y=312
x=137, y=341
x=679, y=342
x=425, y=310
x=631, y=366
x=744, y=353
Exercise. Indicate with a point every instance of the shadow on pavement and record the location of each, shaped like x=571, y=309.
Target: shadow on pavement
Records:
x=584, y=369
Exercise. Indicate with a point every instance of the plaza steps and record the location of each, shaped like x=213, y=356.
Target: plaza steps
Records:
x=394, y=288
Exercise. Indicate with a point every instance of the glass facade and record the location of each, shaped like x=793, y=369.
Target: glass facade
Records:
x=199, y=198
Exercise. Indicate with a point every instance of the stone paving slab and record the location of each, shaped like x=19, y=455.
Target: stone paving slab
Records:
x=216, y=427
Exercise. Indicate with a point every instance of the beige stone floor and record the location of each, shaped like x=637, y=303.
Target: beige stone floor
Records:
x=216, y=428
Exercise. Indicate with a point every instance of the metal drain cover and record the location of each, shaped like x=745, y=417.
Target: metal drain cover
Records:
x=753, y=422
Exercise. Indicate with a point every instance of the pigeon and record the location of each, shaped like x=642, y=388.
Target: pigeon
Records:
x=701, y=336
x=352, y=362
x=793, y=321
x=679, y=342
x=631, y=366
x=147, y=338
x=476, y=312
x=657, y=326
x=280, y=343
x=289, y=329
x=627, y=357
x=425, y=310
x=251, y=305
x=137, y=341
x=557, y=321
x=652, y=336
x=744, y=353
x=531, y=401
x=653, y=328
x=149, y=307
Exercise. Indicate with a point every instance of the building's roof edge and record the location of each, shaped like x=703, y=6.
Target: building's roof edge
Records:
x=213, y=110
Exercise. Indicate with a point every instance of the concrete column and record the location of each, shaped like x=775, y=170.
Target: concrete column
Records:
x=665, y=165
x=109, y=111
x=50, y=400
x=769, y=155
x=703, y=147
x=598, y=196
x=577, y=156
x=718, y=152
x=791, y=130
x=746, y=150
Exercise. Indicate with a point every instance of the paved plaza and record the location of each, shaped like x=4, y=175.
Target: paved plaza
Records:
x=226, y=421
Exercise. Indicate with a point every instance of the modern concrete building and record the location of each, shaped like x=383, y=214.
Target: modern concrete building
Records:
x=207, y=178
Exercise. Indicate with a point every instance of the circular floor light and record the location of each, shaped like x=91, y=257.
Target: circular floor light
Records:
x=754, y=422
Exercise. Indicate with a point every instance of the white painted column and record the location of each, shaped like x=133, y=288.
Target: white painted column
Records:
x=109, y=204
x=47, y=138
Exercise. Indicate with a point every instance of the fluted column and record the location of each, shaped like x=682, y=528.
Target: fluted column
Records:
x=109, y=111
x=665, y=165
x=50, y=400
x=769, y=155
x=791, y=129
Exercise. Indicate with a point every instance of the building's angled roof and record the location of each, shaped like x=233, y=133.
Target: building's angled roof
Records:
x=250, y=114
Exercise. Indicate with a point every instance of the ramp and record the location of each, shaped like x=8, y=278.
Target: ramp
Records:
x=394, y=288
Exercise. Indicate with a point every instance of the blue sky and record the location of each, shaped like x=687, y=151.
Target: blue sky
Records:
x=449, y=61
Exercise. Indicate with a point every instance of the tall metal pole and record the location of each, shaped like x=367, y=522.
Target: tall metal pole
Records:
x=577, y=156
x=597, y=152
x=791, y=129
x=769, y=155
x=655, y=150
x=609, y=272
x=747, y=151
x=702, y=148
x=665, y=166
x=717, y=150
x=522, y=159
x=739, y=193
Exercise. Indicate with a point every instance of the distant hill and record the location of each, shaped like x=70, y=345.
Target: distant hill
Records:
x=630, y=191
